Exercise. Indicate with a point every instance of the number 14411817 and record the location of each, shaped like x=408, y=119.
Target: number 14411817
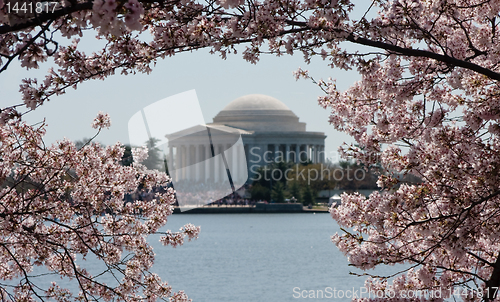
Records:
x=22, y=7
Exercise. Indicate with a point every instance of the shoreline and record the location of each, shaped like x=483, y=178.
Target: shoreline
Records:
x=260, y=208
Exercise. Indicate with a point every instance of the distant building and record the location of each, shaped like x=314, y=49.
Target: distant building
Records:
x=269, y=131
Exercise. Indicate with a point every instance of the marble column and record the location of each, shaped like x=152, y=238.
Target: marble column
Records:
x=183, y=161
x=319, y=154
x=192, y=161
x=302, y=152
x=287, y=152
x=217, y=163
x=222, y=167
x=253, y=154
x=197, y=161
x=266, y=154
x=262, y=153
x=312, y=153
x=316, y=154
x=187, y=162
x=208, y=155
x=178, y=161
x=297, y=154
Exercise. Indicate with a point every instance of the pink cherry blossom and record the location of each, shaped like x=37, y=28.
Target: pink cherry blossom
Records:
x=426, y=104
x=102, y=120
x=59, y=202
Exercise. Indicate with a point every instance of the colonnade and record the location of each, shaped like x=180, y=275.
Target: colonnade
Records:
x=296, y=153
x=196, y=162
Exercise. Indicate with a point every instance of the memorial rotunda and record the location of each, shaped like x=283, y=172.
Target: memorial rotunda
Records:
x=268, y=129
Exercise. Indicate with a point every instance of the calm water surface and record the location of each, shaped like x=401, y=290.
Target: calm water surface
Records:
x=256, y=257
x=251, y=257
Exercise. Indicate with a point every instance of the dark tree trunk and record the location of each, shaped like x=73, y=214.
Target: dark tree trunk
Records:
x=493, y=284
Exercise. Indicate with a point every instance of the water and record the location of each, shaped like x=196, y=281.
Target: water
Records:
x=258, y=257
x=252, y=257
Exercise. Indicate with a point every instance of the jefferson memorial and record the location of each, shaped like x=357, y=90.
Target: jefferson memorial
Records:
x=253, y=129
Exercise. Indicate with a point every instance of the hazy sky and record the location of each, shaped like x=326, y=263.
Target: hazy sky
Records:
x=216, y=81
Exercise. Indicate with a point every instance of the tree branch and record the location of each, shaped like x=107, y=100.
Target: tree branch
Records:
x=494, y=282
x=351, y=37
x=426, y=54
x=40, y=19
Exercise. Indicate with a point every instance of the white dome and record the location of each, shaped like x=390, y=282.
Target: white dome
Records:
x=257, y=112
x=256, y=102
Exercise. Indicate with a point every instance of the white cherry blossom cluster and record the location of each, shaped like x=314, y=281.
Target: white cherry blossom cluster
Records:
x=102, y=120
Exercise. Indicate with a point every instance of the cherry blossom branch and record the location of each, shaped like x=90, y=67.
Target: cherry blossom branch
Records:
x=410, y=52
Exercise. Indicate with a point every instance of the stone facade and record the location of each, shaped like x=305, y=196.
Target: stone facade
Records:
x=269, y=132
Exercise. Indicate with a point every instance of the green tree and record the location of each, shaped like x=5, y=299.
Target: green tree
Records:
x=259, y=192
x=294, y=191
x=274, y=172
x=127, y=158
x=278, y=193
x=356, y=176
x=154, y=160
x=318, y=176
x=309, y=196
